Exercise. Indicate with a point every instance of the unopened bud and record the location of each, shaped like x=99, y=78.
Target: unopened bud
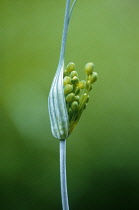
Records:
x=75, y=80
x=89, y=68
x=70, y=97
x=68, y=89
x=82, y=84
x=74, y=105
x=65, y=73
x=92, y=78
x=70, y=67
x=73, y=73
x=66, y=80
x=77, y=98
x=70, y=111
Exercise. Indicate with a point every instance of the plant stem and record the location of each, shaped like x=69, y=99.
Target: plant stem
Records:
x=68, y=12
x=63, y=179
x=65, y=30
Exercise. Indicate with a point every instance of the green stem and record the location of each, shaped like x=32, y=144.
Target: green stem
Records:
x=63, y=179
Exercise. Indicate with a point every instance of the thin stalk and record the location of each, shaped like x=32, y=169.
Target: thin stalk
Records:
x=68, y=12
x=63, y=179
x=65, y=30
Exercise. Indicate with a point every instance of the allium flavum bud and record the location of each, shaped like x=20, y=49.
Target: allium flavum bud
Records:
x=77, y=92
x=68, y=95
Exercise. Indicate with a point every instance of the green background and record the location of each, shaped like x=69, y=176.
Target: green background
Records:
x=103, y=151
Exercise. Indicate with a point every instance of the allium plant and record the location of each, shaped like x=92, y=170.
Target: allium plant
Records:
x=67, y=99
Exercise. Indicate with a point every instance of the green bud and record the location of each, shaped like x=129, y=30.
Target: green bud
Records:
x=68, y=89
x=82, y=84
x=70, y=111
x=70, y=97
x=75, y=80
x=66, y=73
x=73, y=73
x=77, y=98
x=70, y=67
x=89, y=68
x=66, y=80
x=74, y=105
x=92, y=78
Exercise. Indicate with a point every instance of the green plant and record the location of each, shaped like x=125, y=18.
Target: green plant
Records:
x=68, y=98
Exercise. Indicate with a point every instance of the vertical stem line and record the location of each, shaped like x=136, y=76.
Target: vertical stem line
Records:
x=63, y=178
x=65, y=30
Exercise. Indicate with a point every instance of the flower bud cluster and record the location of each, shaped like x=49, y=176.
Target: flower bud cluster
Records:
x=77, y=91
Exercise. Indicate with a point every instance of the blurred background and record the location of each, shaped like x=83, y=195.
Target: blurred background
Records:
x=103, y=151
